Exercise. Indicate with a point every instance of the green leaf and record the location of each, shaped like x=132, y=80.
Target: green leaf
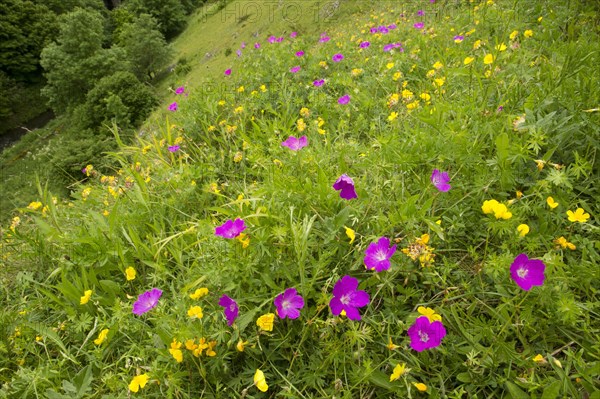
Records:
x=552, y=390
x=464, y=377
x=515, y=391
x=381, y=380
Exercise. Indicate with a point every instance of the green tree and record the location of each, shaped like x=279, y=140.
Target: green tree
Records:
x=147, y=51
x=77, y=61
x=170, y=14
x=25, y=29
x=119, y=98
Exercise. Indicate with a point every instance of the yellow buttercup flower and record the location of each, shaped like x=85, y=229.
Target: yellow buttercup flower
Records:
x=392, y=116
x=477, y=44
x=34, y=206
x=265, y=322
x=578, y=216
x=139, y=381
x=501, y=212
x=260, y=381
x=241, y=345
x=420, y=386
x=539, y=359
x=468, y=60
x=389, y=65
x=523, y=229
x=501, y=47
x=438, y=65
x=130, y=273
x=87, y=294
x=391, y=346
x=429, y=313
x=210, y=350
x=195, y=312
x=101, y=336
x=399, y=370
x=350, y=233
x=551, y=203
x=488, y=59
x=513, y=34
x=191, y=345
x=528, y=33
x=176, y=351
x=562, y=242
x=199, y=293
x=488, y=206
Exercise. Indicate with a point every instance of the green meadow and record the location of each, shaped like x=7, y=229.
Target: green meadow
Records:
x=346, y=199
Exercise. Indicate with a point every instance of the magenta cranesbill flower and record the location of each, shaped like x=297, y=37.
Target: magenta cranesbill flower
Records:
x=289, y=304
x=293, y=35
x=364, y=44
x=337, y=57
x=180, y=90
x=343, y=100
x=231, y=228
x=295, y=69
x=299, y=53
x=383, y=30
x=319, y=82
x=392, y=26
x=227, y=72
x=324, y=38
x=425, y=334
x=231, y=308
x=295, y=144
x=173, y=107
x=146, y=301
x=420, y=13
x=377, y=255
x=347, y=298
x=419, y=25
x=527, y=272
x=345, y=185
x=374, y=30
x=388, y=47
x=173, y=148
x=272, y=39
x=256, y=45
x=440, y=180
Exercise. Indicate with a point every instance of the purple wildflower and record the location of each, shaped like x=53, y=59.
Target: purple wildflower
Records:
x=279, y=39
x=272, y=39
x=299, y=53
x=392, y=26
x=383, y=30
x=500, y=108
x=388, y=47
x=425, y=334
x=440, y=180
x=256, y=45
x=346, y=298
x=295, y=69
x=345, y=185
x=374, y=30
x=180, y=90
x=239, y=52
x=173, y=148
x=324, y=38
x=146, y=301
x=364, y=44
x=319, y=82
x=231, y=309
x=420, y=13
x=337, y=57
x=227, y=72
x=289, y=304
x=419, y=25
x=377, y=255
x=243, y=46
x=527, y=272
x=458, y=38
x=293, y=35
x=231, y=228
x=343, y=100
x=295, y=144
x=173, y=107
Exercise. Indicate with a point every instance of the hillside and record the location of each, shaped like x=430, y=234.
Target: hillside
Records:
x=371, y=200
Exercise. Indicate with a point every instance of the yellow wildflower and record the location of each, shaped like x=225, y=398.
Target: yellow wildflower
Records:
x=241, y=345
x=263, y=88
x=15, y=222
x=199, y=293
x=488, y=59
x=350, y=233
x=562, y=242
x=392, y=116
x=389, y=65
x=238, y=110
x=244, y=239
x=240, y=89
x=528, y=33
x=34, y=206
x=488, y=206
x=175, y=351
x=101, y=336
x=391, y=346
x=412, y=105
x=200, y=347
x=191, y=345
x=398, y=372
x=513, y=34
x=439, y=82
x=139, y=381
x=429, y=313
x=195, y=312
x=210, y=352
x=265, y=322
x=420, y=386
x=501, y=47
x=237, y=157
x=425, y=96
x=468, y=60
x=397, y=76
x=501, y=212
x=539, y=359
x=551, y=203
x=130, y=273
x=86, y=297
x=477, y=44
x=300, y=125
x=260, y=381
x=578, y=216
x=305, y=112
x=438, y=65
x=523, y=229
